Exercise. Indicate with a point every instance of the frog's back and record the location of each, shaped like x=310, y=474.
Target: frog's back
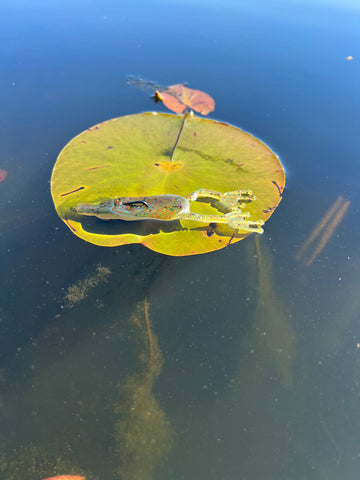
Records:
x=157, y=207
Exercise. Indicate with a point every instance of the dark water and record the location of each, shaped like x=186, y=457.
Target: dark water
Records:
x=259, y=343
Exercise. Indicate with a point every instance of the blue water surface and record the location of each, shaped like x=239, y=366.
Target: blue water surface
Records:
x=260, y=342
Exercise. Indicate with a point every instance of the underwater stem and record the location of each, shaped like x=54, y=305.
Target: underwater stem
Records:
x=178, y=137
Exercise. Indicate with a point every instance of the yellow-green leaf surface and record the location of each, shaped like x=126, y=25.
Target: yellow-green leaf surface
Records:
x=153, y=154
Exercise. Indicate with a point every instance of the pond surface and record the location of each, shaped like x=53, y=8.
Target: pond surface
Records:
x=121, y=363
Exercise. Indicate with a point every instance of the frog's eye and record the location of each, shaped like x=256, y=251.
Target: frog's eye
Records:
x=136, y=204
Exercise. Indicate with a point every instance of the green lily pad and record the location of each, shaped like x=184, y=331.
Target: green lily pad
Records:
x=152, y=154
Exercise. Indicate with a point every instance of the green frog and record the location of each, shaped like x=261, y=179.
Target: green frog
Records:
x=171, y=207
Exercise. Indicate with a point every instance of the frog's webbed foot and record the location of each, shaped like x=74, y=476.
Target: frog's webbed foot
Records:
x=237, y=220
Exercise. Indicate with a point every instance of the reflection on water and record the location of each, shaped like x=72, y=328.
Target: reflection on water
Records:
x=325, y=229
x=245, y=367
x=272, y=318
x=143, y=433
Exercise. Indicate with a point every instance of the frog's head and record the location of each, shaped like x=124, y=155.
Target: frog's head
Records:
x=96, y=209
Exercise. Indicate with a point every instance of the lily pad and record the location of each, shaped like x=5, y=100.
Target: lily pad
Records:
x=155, y=154
x=178, y=97
x=3, y=174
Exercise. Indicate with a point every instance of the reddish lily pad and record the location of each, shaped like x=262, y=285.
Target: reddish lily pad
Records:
x=3, y=174
x=66, y=477
x=178, y=98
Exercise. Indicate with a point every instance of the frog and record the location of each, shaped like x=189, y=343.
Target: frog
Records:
x=171, y=207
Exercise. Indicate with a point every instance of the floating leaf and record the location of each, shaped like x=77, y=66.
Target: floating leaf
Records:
x=3, y=174
x=152, y=154
x=178, y=97
x=66, y=477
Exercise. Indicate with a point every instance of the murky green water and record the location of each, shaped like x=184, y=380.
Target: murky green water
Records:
x=122, y=363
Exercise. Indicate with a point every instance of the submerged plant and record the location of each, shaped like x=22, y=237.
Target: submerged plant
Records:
x=143, y=433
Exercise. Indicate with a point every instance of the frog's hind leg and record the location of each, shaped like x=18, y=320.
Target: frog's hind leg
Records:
x=238, y=221
x=235, y=219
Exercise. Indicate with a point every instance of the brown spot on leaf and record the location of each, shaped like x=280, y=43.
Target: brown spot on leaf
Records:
x=96, y=168
x=72, y=191
x=231, y=238
x=269, y=209
x=69, y=225
x=280, y=189
x=234, y=164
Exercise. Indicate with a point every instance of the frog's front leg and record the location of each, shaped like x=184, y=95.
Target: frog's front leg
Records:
x=204, y=193
x=103, y=210
x=230, y=200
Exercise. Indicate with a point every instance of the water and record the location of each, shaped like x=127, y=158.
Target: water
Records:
x=256, y=372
